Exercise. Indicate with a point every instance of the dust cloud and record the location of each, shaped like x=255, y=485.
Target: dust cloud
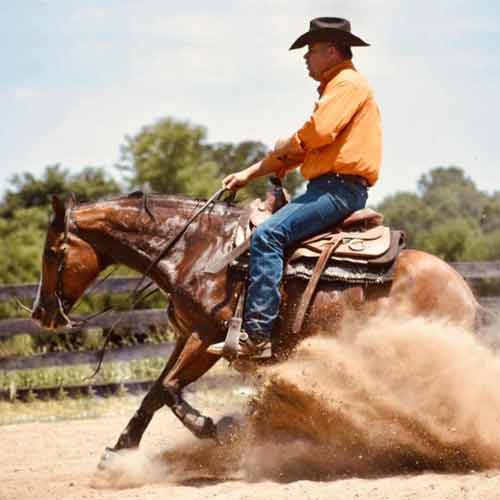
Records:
x=392, y=395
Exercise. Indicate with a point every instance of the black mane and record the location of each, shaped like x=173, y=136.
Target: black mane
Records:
x=162, y=199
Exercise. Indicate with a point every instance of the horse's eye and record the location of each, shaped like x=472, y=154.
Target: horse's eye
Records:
x=50, y=254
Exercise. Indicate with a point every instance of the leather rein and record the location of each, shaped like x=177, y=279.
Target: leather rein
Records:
x=138, y=294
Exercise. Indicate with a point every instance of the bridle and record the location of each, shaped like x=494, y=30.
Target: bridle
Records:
x=61, y=266
x=62, y=301
x=139, y=293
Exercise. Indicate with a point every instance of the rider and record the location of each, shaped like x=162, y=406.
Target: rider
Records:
x=339, y=148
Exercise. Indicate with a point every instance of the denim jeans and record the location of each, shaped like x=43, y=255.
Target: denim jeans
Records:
x=328, y=200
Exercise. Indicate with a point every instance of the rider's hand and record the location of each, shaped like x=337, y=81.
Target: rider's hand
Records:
x=281, y=143
x=236, y=181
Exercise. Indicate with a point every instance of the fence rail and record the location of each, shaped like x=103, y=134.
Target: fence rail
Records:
x=138, y=320
x=469, y=270
x=128, y=353
x=28, y=290
x=141, y=321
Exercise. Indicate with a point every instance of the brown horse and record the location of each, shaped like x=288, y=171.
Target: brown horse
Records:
x=131, y=230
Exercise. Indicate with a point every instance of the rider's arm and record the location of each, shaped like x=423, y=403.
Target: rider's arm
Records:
x=287, y=155
x=284, y=157
x=259, y=169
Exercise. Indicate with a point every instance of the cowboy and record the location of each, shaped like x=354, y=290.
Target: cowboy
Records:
x=339, y=150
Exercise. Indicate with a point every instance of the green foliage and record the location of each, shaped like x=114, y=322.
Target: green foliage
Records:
x=144, y=369
x=233, y=157
x=21, y=242
x=490, y=217
x=29, y=191
x=447, y=216
x=25, y=212
x=451, y=194
x=19, y=345
x=407, y=212
x=172, y=156
x=449, y=241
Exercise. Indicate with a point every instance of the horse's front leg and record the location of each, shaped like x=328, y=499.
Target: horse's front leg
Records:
x=188, y=362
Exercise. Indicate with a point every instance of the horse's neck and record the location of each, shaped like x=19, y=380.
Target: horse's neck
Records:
x=124, y=232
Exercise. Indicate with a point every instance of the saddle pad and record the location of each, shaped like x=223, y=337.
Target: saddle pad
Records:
x=342, y=269
x=339, y=271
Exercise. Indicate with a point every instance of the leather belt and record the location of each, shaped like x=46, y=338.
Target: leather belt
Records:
x=353, y=178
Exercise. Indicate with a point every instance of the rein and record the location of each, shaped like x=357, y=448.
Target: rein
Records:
x=177, y=237
x=138, y=294
x=59, y=293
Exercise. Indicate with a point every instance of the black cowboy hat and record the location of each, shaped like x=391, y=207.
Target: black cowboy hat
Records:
x=329, y=29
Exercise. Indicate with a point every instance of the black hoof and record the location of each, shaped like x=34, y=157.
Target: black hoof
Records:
x=228, y=429
x=108, y=459
x=207, y=429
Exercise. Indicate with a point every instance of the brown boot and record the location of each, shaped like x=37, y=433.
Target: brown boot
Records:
x=251, y=347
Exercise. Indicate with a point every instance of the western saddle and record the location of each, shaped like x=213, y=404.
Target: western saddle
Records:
x=360, y=238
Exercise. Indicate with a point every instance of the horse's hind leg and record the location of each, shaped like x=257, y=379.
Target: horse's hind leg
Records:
x=154, y=400
x=191, y=364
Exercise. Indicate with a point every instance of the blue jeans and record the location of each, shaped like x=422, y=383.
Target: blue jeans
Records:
x=328, y=200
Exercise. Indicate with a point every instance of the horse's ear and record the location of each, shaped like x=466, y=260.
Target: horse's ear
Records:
x=71, y=200
x=58, y=207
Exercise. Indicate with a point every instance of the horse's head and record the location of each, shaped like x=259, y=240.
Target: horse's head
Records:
x=69, y=265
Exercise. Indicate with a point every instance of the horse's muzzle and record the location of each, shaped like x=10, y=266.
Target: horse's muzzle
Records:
x=48, y=318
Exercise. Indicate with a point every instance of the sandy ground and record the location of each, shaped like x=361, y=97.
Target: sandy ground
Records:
x=344, y=419
x=58, y=461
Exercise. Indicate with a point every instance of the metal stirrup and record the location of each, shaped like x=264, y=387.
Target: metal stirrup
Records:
x=230, y=349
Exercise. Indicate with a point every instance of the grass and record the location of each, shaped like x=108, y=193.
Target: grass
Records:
x=63, y=407
x=221, y=390
x=144, y=369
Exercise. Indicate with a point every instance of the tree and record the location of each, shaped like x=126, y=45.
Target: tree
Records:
x=450, y=240
x=407, y=212
x=173, y=157
x=490, y=216
x=233, y=157
x=170, y=157
x=451, y=194
x=29, y=191
x=91, y=184
x=447, y=216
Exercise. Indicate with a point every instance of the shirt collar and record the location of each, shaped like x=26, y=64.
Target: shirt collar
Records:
x=332, y=72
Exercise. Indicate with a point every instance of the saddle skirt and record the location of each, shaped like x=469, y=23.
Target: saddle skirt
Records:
x=355, y=243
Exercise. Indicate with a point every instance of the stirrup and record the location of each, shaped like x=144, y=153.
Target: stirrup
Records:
x=230, y=349
x=247, y=348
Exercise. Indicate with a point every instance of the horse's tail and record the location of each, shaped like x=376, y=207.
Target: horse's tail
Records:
x=485, y=318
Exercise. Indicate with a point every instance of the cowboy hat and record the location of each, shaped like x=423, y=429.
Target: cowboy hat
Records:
x=326, y=29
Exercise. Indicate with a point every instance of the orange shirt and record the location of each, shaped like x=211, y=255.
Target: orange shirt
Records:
x=343, y=134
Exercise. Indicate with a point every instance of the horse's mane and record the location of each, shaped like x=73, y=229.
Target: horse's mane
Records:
x=169, y=200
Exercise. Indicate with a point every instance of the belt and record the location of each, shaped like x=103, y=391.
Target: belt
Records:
x=357, y=179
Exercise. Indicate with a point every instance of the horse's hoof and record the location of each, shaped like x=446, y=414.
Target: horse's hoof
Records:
x=228, y=429
x=108, y=458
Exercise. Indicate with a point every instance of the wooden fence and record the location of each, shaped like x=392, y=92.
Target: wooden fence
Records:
x=136, y=321
x=142, y=320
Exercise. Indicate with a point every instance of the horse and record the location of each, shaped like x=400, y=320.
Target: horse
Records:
x=83, y=239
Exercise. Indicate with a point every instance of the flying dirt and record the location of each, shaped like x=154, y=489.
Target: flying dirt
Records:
x=391, y=396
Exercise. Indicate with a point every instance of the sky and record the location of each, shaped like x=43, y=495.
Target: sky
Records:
x=79, y=76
